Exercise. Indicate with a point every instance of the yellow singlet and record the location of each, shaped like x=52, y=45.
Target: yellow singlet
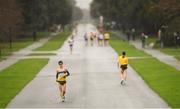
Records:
x=123, y=61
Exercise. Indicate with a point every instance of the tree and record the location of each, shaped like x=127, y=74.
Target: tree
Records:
x=10, y=18
x=147, y=15
x=42, y=14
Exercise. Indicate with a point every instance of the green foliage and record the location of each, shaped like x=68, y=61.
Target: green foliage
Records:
x=146, y=15
x=41, y=14
x=16, y=77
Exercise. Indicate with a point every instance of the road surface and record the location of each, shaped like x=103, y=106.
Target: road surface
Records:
x=94, y=81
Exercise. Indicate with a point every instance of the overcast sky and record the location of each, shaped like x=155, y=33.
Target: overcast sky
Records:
x=83, y=4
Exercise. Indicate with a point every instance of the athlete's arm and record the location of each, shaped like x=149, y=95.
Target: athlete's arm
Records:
x=56, y=76
x=67, y=73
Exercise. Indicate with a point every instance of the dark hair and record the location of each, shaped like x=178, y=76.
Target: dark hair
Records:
x=60, y=62
x=123, y=53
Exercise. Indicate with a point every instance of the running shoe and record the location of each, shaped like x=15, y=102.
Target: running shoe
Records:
x=63, y=98
x=122, y=81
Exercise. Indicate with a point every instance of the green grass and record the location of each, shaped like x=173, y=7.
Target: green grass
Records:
x=19, y=44
x=41, y=54
x=42, y=34
x=14, y=78
x=55, y=43
x=172, y=51
x=121, y=45
x=163, y=79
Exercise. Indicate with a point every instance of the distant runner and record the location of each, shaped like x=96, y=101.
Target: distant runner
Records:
x=61, y=75
x=106, y=38
x=71, y=43
x=100, y=39
x=92, y=38
x=86, y=39
x=123, y=61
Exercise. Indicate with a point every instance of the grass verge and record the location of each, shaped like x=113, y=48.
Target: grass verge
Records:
x=41, y=54
x=55, y=43
x=172, y=51
x=162, y=78
x=121, y=45
x=18, y=44
x=14, y=78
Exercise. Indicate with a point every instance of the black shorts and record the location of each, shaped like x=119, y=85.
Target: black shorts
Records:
x=62, y=82
x=123, y=67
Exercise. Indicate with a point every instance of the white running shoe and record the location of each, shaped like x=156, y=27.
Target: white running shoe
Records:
x=63, y=98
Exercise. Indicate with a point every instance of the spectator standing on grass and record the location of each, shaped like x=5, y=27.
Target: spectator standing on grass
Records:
x=128, y=35
x=143, y=39
x=133, y=34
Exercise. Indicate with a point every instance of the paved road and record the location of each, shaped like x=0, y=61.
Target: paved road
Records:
x=94, y=82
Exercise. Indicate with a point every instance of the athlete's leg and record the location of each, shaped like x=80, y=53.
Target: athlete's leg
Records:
x=86, y=42
x=122, y=77
x=91, y=42
x=101, y=42
x=71, y=49
x=64, y=91
x=121, y=74
x=105, y=42
x=60, y=90
x=125, y=74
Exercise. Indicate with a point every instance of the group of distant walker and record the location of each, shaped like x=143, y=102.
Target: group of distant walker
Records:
x=102, y=39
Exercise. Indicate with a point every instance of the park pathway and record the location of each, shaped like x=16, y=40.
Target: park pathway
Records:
x=23, y=52
x=94, y=81
x=167, y=59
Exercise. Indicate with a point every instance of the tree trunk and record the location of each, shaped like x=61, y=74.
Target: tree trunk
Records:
x=34, y=35
x=10, y=38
